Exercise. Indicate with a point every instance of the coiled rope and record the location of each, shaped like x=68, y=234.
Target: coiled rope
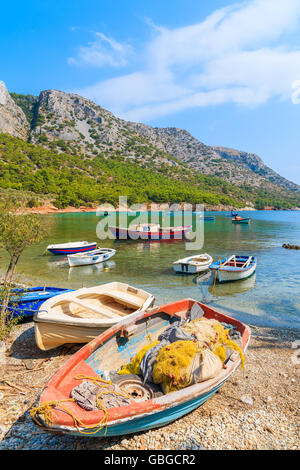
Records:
x=46, y=408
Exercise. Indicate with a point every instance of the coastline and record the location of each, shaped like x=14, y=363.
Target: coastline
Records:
x=255, y=409
x=50, y=209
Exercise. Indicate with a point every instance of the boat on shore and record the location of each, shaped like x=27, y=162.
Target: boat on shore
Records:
x=234, y=268
x=71, y=248
x=81, y=315
x=150, y=232
x=26, y=301
x=91, y=257
x=193, y=264
x=144, y=408
x=241, y=220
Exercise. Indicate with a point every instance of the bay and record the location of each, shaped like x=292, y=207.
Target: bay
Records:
x=271, y=297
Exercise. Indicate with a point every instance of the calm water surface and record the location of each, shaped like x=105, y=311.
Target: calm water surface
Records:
x=270, y=297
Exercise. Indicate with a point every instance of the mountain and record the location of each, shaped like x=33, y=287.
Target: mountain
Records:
x=70, y=124
x=12, y=119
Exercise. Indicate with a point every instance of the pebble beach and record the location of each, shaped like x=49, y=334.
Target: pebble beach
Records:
x=257, y=408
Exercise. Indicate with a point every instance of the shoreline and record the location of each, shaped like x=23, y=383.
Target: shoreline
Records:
x=49, y=209
x=255, y=409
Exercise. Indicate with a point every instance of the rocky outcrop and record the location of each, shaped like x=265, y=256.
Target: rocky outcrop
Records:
x=12, y=119
x=254, y=163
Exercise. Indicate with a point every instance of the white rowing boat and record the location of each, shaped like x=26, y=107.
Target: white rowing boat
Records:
x=81, y=315
x=91, y=257
x=193, y=264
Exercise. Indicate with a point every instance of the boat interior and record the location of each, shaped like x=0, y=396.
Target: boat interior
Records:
x=110, y=303
x=238, y=262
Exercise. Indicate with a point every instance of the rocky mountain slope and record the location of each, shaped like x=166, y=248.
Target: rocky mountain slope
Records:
x=12, y=119
x=73, y=124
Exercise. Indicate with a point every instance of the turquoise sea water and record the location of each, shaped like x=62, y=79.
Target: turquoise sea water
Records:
x=270, y=297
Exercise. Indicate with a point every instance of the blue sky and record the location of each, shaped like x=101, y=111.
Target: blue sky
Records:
x=228, y=72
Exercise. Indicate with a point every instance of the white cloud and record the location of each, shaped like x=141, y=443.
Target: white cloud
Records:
x=103, y=51
x=237, y=54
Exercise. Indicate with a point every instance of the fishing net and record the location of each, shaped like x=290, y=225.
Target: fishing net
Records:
x=210, y=332
x=171, y=368
x=134, y=366
x=185, y=362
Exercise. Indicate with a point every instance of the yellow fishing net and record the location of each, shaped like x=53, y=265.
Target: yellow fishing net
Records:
x=214, y=335
x=172, y=365
x=134, y=366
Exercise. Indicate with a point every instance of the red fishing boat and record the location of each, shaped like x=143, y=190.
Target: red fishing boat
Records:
x=145, y=408
x=150, y=232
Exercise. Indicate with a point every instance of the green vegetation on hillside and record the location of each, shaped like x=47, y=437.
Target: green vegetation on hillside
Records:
x=77, y=179
x=27, y=103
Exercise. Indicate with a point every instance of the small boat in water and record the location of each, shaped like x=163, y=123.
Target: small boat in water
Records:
x=144, y=408
x=71, y=248
x=234, y=268
x=81, y=315
x=193, y=264
x=91, y=257
x=150, y=232
x=25, y=302
x=207, y=218
x=241, y=220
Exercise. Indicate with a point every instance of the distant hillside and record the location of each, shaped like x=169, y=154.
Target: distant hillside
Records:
x=69, y=134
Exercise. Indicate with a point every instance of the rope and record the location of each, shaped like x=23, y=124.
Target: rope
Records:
x=45, y=409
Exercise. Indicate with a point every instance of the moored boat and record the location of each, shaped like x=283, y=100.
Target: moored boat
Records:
x=150, y=232
x=193, y=264
x=241, y=220
x=207, y=218
x=91, y=257
x=81, y=315
x=234, y=268
x=71, y=248
x=25, y=302
x=143, y=408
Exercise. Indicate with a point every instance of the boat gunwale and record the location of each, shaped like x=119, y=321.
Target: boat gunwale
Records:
x=81, y=322
x=91, y=253
x=233, y=269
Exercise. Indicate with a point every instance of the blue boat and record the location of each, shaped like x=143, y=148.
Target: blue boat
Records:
x=25, y=302
x=147, y=408
x=234, y=268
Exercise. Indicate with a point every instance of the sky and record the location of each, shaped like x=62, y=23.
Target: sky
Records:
x=228, y=72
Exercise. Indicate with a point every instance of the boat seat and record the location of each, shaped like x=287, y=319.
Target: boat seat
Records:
x=92, y=308
x=126, y=297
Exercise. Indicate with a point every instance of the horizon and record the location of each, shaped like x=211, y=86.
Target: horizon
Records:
x=239, y=88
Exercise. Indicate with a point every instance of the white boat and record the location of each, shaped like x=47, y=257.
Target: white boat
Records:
x=91, y=257
x=193, y=264
x=82, y=315
x=234, y=268
x=71, y=248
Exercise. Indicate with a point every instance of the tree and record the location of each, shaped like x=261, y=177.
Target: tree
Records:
x=17, y=232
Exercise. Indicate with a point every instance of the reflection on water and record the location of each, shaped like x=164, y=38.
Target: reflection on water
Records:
x=232, y=288
x=271, y=297
x=91, y=270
